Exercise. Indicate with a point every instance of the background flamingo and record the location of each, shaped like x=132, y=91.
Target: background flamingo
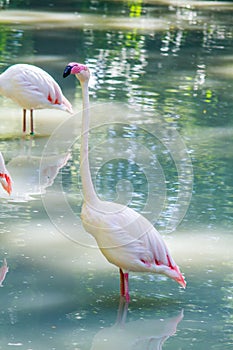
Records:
x=126, y=238
x=5, y=178
x=3, y=271
x=32, y=88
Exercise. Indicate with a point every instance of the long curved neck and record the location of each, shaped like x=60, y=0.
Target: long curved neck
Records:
x=89, y=193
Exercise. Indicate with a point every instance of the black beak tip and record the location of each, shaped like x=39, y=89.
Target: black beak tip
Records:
x=67, y=71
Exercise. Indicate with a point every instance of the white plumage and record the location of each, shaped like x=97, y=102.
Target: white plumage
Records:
x=5, y=178
x=32, y=88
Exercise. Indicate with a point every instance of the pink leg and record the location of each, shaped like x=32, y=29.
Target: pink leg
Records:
x=124, y=285
x=31, y=117
x=24, y=120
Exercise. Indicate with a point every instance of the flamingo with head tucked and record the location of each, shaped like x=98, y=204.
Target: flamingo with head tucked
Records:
x=32, y=88
x=126, y=238
x=5, y=178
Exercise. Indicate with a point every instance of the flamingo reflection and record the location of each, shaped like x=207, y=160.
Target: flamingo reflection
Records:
x=140, y=334
x=31, y=177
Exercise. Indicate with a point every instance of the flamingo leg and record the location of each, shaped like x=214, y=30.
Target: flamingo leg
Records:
x=24, y=120
x=31, y=120
x=124, y=285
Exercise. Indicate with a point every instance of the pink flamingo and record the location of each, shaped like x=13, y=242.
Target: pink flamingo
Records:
x=32, y=88
x=5, y=178
x=3, y=271
x=126, y=238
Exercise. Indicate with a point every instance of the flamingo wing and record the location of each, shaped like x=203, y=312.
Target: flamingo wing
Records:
x=129, y=241
x=33, y=88
x=124, y=235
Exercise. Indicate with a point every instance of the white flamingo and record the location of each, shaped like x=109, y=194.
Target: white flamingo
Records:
x=126, y=238
x=3, y=271
x=32, y=88
x=5, y=178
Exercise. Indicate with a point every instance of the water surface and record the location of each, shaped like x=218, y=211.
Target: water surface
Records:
x=160, y=142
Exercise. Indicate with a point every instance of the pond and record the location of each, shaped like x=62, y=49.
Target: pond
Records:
x=160, y=142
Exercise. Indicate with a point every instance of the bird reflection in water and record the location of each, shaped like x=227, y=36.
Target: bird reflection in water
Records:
x=31, y=177
x=140, y=334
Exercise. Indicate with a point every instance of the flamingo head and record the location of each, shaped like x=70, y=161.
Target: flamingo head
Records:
x=172, y=270
x=79, y=70
x=6, y=182
x=174, y=273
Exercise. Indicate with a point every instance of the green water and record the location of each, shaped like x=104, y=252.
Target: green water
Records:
x=160, y=142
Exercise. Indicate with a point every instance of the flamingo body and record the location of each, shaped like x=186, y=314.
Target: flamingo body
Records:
x=5, y=178
x=126, y=238
x=32, y=88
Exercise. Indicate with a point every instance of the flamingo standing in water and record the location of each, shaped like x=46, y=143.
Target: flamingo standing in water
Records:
x=5, y=178
x=3, y=271
x=126, y=238
x=32, y=88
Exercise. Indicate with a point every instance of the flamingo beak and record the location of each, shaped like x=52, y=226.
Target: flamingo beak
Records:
x=67, y=71
x=181, y=281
